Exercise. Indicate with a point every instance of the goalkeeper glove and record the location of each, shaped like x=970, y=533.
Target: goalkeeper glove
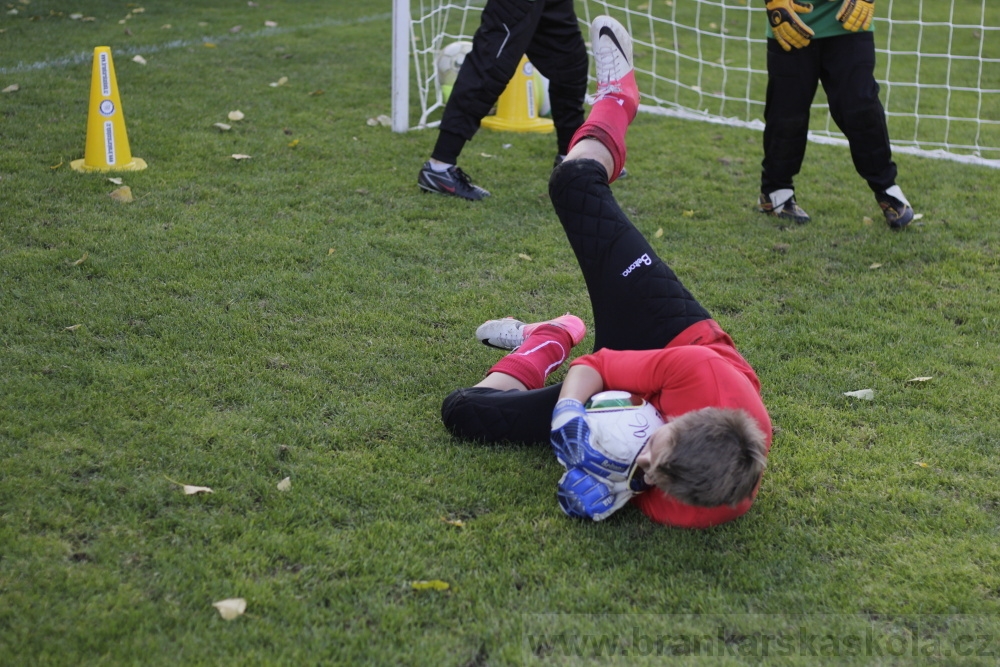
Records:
x=787, y=27
x=575, y=447
x=584, y=496
x=856, y=14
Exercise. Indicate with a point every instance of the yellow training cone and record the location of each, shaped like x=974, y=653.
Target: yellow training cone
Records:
x=107, y=141
x=517, y=108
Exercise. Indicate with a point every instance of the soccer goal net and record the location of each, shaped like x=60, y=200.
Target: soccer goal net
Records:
x=938, y=63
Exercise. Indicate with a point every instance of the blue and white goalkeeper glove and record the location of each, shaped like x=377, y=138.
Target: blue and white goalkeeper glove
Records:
x=585, y=496
x=575, y=447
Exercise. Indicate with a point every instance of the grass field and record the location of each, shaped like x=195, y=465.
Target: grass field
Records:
x=302, y=313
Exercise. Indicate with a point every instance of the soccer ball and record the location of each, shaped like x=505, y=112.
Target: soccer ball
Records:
x=449, y=61
x=620, y=423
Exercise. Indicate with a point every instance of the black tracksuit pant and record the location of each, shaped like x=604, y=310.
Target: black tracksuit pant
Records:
x=638, y=304
x=549, y=33
x=845, y=65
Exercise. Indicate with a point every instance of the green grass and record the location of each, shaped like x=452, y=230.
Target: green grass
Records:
x=304, y=312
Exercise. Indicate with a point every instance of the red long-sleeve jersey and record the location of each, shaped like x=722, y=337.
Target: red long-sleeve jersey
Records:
x=700, y=368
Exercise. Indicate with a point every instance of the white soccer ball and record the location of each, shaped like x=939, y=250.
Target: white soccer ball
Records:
x=621, y=423
x=450, y=60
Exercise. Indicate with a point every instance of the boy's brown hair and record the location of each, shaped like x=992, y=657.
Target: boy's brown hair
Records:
x=717, y=458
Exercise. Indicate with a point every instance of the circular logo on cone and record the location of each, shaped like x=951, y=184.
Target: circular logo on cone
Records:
x=107, y=107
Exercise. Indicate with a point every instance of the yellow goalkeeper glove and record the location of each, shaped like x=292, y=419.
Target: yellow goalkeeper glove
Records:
x=856, y=14
x=787, y=27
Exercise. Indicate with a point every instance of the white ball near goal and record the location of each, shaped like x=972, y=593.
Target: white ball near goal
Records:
x=448, y=62
x=620, y=422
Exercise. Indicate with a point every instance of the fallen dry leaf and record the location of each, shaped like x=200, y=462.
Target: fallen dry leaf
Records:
x=222, y=126
x=293, y=143
x=12, y=88
x=116, y=181
x=688, y=214
x=166, y=26
x=867, y=220
x=139, y=59
x=81, y=260
x=270, y=24
x=122, y=194
x=875, y=266
x=231, y=608
x=920, y=463
x=138, y=10
x=454, y=522
x=209, y=45
x=285, y=484
x=316, y=92
x=56, y=166
x=918, y=216
x=236, y=115
x=76, y=17
x=432, y=585
x=191, y=490
x=330, y=251
x=921, y=379
x=235, y=29
x=73, y=327
x=240, y=156
x=486, y=155
x=280, y=82
x=526, y=258
x=659, y=232
x=864, y=394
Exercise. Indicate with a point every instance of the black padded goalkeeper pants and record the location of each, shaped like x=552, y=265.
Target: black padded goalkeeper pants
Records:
x=637, y=300
x=845, y=65
x=549, y=33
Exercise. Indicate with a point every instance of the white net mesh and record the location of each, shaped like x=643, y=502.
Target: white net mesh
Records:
x=938, y=65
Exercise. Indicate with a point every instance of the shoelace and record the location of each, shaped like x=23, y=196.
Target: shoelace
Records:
x=462, y=177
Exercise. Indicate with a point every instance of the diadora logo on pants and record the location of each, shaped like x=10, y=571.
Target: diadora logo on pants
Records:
x=644, y=260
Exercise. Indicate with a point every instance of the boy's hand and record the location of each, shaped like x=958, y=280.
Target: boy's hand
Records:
x=786, y=25
x=585, y=496
x=856, y=14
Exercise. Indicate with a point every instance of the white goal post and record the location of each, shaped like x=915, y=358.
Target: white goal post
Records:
x=938, y=63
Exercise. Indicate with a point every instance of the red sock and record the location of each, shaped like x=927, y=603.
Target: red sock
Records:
x=541, y=353
x=608, y=121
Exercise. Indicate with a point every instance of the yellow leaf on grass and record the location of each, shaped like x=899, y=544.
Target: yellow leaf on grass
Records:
x=316, y=92
x=293, y=143
x=73, y=327
x=231, y=608
x=209, y=45
x=920, y=463
x=867, y=220
x=280, y=82
x=116, y=181
x=432, y=585
x=876, y=265
x=659, y=232
x=240, y=156
x=122, y=194
x=81, y=260
x=222, y=126
x=454, y=522
x=138, y=10
x=285, y=484
x=526, y=258
x=688, y=214
x=331, y=251
x=921, y=379
x=56, y=166
x=236, y=115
